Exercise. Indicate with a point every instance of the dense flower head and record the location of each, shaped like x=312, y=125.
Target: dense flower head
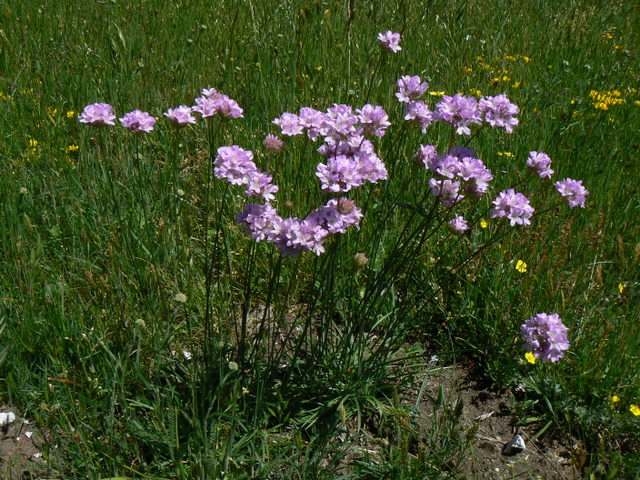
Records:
x=447, y=191
x=427, y=155
x=418, y=112
x=545, y=336
x=213, y=103
x=573, y=191
x=180, y=116
x=98, y=114
x=259, y=185
x=514, y=206
x=273, y=144
x=340, y=174
x=234, y=164
x=374, y=120
x=138, y=121
x=458, y=224
x=459, y=111
x=340, y=121
x=289, y=124
x=476, y=174
x=334, y=218
x=390, y=41
x=410, y=88
x=540, y=163
x=313, y=121
x=261, y=222
x=498, y=111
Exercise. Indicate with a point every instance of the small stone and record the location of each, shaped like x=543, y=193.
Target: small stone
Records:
x=6, y=418
x=514, y=447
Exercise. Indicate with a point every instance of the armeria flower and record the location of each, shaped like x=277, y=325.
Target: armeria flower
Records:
x=261, y=222
x=447, y=191
x=459, y=111
x=313, y=121
x=273, y=144
x=98, y=114
x=476, y=174
x=340, y=174
x=341, y=121
x=338, y=215
x=427, y=155
x=374, y=120
x=410, y=88
x=259, y=185
x=235, y=165
x=498, y=111
x=289, y=124
x=514, y=206
x=138, y=121
x=540, y=163
x=213, y=103
x=458, y=224
x=390, y=41
x=545, y=336
x=419, y=113
x=573, y=191
x=180, y=116
x=228, y=107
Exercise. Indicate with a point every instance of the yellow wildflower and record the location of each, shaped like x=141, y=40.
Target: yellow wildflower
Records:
x=637, y=102
x=53, y=111
x=618, y=47
x=475, y=92
x=621, y=287
x=436, y=94
x=521, y=266
x=530, y=358
x=468, y=69
x=71, y=114
x=71, y=148
x=635, y=410
x=510, y=58
x=526, y=59
x=601, y=106
x=506, y=154
x=479, y=58
x=318, y=68
x=608, y=36
x=516, y=84
x=483, y=223
x=33, y=144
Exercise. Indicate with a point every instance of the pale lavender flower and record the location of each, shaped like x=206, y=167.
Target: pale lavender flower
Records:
x=419, y=113
x=228, y=107
x=259, y=185
x=499, y=112
x=514, y=206
x=313, y=121
x=98, y=115
x=260, y=221
x=545, y=336
x=390, y=41
x=370, y=167
x=180, y=116
x=459, y=111
x=478, y=176
x=410, y=88
x=540, y=163
x=341, y=121
x=447, y=191
x=297, y=236
x=235, y=165
x=458, y=224
x=211, y=93
x=340, y=174
x=374, y=120
x=273, y=144
x=427, y=155
x=573, y=191
x=446, y=166
x=138, y=121
x=289, y=124
x=206, y=106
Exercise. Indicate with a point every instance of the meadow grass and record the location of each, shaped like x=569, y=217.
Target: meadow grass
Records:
x=123, y=253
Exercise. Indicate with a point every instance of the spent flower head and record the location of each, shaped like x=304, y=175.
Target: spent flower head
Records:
x=273, y=144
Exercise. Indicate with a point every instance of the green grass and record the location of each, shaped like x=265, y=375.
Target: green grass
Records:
x=95, y=244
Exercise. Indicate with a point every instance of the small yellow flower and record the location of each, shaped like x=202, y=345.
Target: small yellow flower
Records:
x=608, y=36
x=468, y=69
x=506, y=154
x=601, y=106
x=510, y=58
x=71, y=114
x=516, y=84
x=71, y=148
x=33, y=144
x=318, y=68
x=637, y=102
x=618, y=47
x=521, y=266
x=475, y=92
x=530, y=358
x=483, y=223
x=479, y=58
x=615, y=399
x=635, y=409
x=526, y=59
x=505, y=78
x=53, y=111
x=436, y=94
x=621, y=287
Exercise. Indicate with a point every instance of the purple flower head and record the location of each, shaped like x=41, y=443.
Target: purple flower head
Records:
x=340, y=174
x=458, y=224
x=296, y=236
x=459, y=111
x=499, y=112
x=478, y=176
x=261, y=222
x=212, y=103
x=419, y=113
x=545, y=336
x=514, y=206
x=427, y=155
x=98, y=115
x=180, y=116
x=410, y=88
x=259, y=185
x=462, y=152
x=211, y=93
x=374, y=120
x=573, y=191
x=138, y=121
x=235, y=165
x=341, y=121
x=390, y=41
x=273, y=144
x=206, y=106
x=228, y=107
x=540, y=163
x=447, y=191
x=338, y=215
x=289, y=124
x=313, y=121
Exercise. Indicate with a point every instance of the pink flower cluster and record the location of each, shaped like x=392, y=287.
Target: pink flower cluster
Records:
x=545, y=336
x=350, y=157
x=390, y=41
